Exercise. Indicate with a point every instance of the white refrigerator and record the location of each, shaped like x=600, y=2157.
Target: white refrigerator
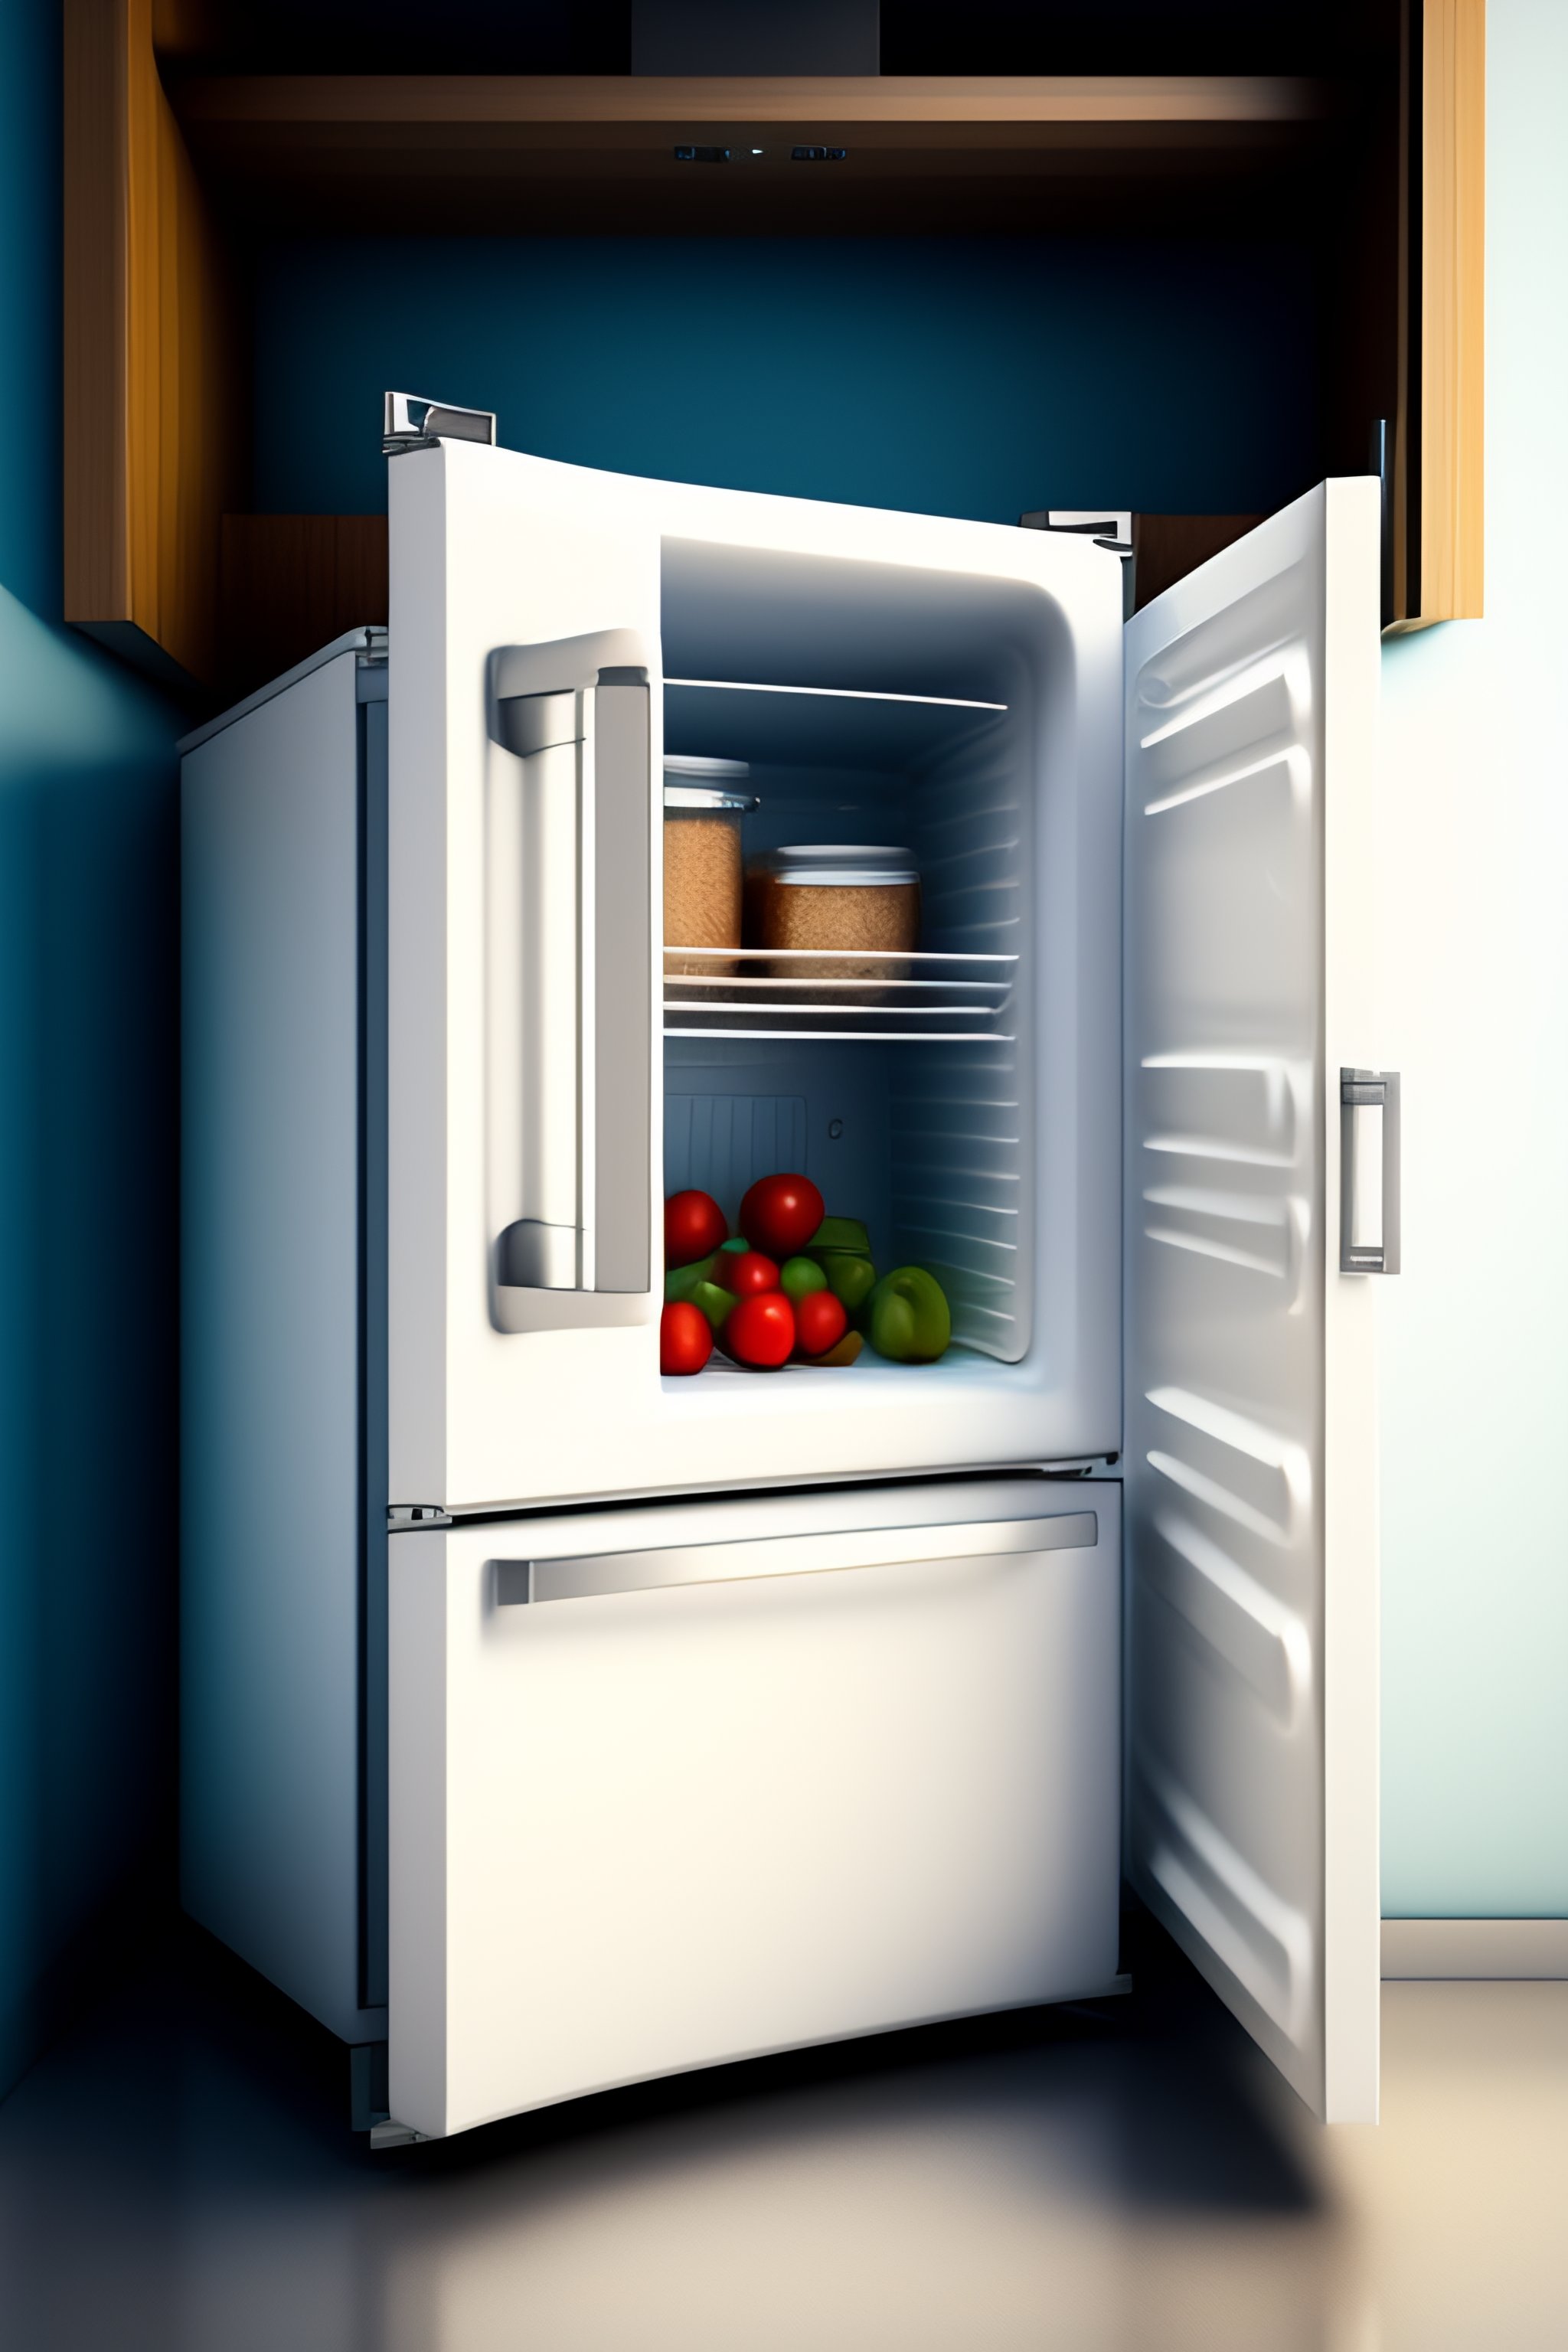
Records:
x=553, y=1724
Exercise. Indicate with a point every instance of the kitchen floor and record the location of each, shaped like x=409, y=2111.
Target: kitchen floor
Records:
x=178, y=2176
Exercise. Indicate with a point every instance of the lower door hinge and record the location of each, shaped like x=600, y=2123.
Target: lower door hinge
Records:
x=400, y=1515
x=1110, y=529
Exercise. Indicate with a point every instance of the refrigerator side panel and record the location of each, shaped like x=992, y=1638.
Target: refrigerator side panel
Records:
x=416, y=1101
x=272, y=1414
x=418, y=1814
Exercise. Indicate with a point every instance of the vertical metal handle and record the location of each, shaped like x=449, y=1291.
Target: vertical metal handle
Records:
x=622, y=1002
x=578, y=720
x=1364, y=1091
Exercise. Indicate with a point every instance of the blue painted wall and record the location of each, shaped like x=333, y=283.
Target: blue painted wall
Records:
x=949, y=376
x=88, y=1131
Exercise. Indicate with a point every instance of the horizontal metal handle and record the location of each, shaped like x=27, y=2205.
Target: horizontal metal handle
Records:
x=595, y=1575
x=1369, y=1090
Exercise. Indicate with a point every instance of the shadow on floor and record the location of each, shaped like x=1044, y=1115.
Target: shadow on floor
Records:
x=180, y=2176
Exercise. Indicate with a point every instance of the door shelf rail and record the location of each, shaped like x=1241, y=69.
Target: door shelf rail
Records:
x=870, y=994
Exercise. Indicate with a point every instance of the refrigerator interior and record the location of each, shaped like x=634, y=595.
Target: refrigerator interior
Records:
x=879, y=705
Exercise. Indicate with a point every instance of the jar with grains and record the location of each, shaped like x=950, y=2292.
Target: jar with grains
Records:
x=704, y=801
x=854, y=908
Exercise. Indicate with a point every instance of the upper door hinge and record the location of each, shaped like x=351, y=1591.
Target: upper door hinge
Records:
x=410, y=422
x=1110, y=528
x=402, y=1516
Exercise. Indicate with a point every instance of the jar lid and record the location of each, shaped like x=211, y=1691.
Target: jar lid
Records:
x=837, y=865
x=698, y=796
x=707, y=783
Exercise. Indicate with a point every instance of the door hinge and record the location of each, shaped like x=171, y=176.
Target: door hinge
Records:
x=395, y=2135
x=401, y=1516
x=1110, y=528
x=410, y=422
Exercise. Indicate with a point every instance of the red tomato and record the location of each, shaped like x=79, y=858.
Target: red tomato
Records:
x=685, y=1338
x=746, y=1273
x=780, y=1214
x=820, y=1322
x=759, y=1330
x=694, y=1227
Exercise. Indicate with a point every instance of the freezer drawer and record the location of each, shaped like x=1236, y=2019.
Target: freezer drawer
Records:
x=675, y=1786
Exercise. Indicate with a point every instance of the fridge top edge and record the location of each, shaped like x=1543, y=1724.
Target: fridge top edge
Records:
x=366, y=639
x=787, y=520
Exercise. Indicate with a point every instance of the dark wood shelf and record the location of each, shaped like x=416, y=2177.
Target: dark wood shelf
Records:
x=288, y=583
x=596, y=153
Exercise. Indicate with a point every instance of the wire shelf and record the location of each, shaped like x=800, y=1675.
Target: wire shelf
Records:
x=917, y=996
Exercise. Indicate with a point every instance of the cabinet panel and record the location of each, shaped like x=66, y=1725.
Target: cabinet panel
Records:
x=154, y=448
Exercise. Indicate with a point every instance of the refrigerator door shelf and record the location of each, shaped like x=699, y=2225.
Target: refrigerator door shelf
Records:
x=658, y=1828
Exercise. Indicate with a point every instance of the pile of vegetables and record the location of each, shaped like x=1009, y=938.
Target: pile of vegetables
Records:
x=793, y=1285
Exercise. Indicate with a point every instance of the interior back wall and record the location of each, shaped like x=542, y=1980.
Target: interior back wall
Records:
x=961, y=376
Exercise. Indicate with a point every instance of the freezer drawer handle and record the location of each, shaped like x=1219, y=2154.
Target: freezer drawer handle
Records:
x=590, y=1578
x=1367, y=1090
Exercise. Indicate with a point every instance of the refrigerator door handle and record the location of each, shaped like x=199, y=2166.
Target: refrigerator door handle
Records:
x=1362, y=1092
x=593, y=1576
x=576, y=949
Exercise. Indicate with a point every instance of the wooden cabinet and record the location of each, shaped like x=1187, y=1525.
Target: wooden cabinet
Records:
x=154, y=439
x=173, y=168
x=1438, y=480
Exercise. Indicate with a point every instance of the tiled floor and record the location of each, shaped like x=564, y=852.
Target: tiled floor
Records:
x=178, y=2177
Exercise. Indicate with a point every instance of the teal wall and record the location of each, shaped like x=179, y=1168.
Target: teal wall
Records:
x=949, y=376
x=88, y=1131
x=1475, y=877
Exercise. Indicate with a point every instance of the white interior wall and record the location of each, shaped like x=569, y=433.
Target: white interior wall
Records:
x=1474, y=856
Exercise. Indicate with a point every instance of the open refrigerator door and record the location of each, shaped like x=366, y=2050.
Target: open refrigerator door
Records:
x=1252, y=1700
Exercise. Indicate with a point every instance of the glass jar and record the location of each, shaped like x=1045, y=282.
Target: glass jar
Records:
x=703, y=806
x=854, y=909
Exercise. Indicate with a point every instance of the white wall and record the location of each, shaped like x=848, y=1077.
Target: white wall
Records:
x=1474, y=853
